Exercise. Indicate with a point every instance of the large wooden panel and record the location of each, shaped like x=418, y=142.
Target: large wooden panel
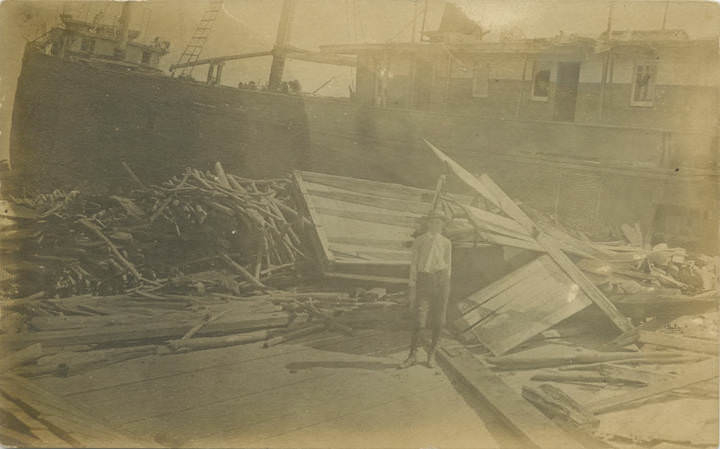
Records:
x=523, y=304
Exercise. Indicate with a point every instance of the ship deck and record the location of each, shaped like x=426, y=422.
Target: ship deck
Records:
x=325, y=391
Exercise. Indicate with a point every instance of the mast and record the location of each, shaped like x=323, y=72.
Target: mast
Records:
x=283, y=36
x=124, y=25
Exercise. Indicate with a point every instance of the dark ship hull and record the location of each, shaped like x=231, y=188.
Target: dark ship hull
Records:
x=74, y=123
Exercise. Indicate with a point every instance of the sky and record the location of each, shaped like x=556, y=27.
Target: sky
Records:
x=250, y=25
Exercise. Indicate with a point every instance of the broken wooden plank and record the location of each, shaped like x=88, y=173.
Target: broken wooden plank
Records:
x=218, y=342
x=677, y=342
x=21, y=357
x=464, y=175
x=697, y=373
x=487, y=187
x=295, y=334
x=152, y=330
x=584, y=377
x=555, y=403
x=525, y=361
x=508, y=404
x=222, y=177
x=208, y=319
x=240, y=269
x=85, y=222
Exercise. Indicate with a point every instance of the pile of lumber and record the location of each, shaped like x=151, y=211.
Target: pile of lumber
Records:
x=69, y=336
x=208, y=231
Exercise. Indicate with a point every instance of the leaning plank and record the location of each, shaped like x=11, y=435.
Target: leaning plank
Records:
x=529, y=308
x=521, y=305
x=487, y=187
x=495, y=223
x=678, y=342
x=515, y=411
x=464, y=175
x=700, y=372
x=480, y=297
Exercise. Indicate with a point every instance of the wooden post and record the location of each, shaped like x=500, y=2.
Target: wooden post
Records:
x=124, y=23
x=210, y=74
x=283, y=36
x=218, y=73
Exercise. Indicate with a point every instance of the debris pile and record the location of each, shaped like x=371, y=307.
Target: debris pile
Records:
x=570, y=337
x=199, y=231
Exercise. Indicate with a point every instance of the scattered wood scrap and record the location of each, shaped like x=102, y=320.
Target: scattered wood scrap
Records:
x=694, y=374
x=555, y=403
x=509, y=405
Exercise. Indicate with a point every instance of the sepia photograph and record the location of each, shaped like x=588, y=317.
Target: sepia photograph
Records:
x=361, y=224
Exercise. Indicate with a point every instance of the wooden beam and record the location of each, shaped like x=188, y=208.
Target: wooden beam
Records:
x=697, y=373
x=507, y=403
x=368, y=278
x=487, y=187
x=140, y=331
x=464, y=175
x=220, y=59
x=678, y=342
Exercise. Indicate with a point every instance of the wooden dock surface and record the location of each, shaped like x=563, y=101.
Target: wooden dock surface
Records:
x=328, y=390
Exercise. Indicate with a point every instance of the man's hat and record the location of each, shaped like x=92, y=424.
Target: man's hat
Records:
x=436, y=214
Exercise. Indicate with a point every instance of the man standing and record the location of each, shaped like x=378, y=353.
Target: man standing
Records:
x=430, y=270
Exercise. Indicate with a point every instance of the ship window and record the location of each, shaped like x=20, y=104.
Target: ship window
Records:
x=643, y=88
x=146, y=57
x=87, y=45
x=541, y=81
x=481, y=77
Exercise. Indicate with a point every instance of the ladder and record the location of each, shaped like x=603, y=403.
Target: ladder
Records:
x=200, y=35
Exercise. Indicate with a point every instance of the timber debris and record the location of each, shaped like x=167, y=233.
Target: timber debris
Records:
x=209, y=260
